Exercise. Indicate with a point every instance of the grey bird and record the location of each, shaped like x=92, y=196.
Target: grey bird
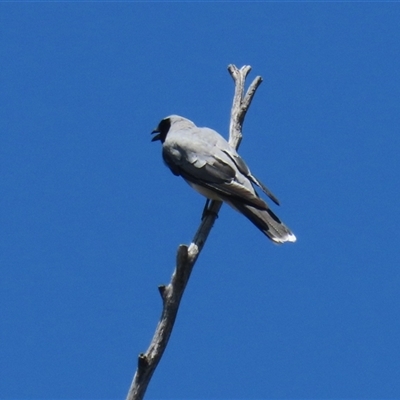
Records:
x=211, y=166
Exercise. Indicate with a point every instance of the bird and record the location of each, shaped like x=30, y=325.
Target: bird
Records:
x=212, y=167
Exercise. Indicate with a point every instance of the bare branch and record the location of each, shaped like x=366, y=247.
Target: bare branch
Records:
x=186, y=256
x=241, y=102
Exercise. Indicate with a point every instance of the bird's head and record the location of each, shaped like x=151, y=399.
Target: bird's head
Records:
x=162, y=130
x=165, y=125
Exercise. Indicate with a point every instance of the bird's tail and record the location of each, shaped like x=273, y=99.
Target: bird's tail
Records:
x=266, y=221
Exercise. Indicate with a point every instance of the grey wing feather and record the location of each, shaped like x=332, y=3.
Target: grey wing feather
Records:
x=244, y=169
x=224, y=188
x=216, y=172
x=171, y=163
x=264, y=189
x=212, y=173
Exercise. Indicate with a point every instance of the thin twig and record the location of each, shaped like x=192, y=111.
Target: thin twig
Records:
x=186, y=256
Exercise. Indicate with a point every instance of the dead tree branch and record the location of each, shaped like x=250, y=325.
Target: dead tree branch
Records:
x=187, y=255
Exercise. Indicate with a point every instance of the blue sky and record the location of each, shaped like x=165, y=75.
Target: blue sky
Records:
x=91, y=218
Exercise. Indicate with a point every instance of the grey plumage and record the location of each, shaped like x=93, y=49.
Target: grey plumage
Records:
x=212, y=167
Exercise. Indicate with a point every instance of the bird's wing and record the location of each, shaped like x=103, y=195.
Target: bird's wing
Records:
x=244, y=169
x=211, y=169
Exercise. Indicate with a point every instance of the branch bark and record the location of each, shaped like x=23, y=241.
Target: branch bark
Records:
x=171, y=294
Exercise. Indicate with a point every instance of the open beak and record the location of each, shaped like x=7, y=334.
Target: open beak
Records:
x=157, y=137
